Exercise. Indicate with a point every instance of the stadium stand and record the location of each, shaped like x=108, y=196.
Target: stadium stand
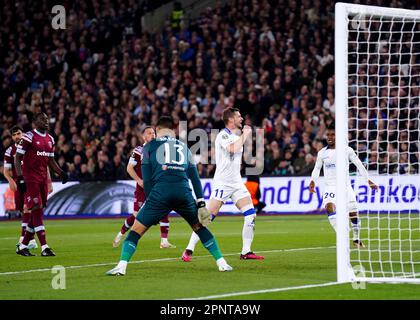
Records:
x=102, y=79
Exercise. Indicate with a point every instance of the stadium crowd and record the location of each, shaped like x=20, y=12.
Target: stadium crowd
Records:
x=102, y=79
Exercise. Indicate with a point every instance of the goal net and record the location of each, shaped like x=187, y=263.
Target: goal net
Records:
x=377, y=52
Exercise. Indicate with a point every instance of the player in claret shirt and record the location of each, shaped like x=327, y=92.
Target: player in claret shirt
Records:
x=11, y=176
x=36, y=149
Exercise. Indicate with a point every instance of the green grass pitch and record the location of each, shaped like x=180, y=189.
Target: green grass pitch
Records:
x=299, y=251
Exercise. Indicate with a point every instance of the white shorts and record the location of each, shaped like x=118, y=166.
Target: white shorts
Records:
x=330, y=197
x=224, y=192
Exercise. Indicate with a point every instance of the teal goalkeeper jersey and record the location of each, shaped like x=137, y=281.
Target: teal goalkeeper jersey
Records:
x=167, y=160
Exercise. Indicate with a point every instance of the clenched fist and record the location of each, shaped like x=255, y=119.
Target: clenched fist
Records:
x=247, y=131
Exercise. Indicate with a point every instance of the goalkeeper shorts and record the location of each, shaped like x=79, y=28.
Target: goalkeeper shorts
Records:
x=164, y=199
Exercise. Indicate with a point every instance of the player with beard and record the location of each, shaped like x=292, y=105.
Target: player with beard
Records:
x=227, y=182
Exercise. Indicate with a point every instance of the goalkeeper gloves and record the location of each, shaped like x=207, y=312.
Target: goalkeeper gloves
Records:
x=64, y=177
x=21, y=186
x=204, y=215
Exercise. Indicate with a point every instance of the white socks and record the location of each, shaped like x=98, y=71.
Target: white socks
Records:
x=193, y=241
x=195, y=238
x=122, y=265
x=333, y=221
x=356, y=229
x=355, y=226
x=248, y=233
x=222, y=265
x=45, y=246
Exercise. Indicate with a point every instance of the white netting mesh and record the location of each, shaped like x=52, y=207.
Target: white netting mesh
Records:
x=384, y=130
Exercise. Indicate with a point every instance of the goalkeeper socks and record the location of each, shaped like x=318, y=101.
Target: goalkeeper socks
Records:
x=209, y=242
x=355, y=224
x=193, y=241
x=195, y=238
x=122, y=265
x=129, y=246
x=128, y=223
x=333, y=221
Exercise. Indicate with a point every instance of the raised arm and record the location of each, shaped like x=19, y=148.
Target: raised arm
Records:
x=238, y=144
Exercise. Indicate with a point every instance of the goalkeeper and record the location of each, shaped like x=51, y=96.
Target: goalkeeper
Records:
x=166, y=167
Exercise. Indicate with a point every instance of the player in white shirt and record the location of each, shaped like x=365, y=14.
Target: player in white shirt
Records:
x=326, y=159
x=227, y=182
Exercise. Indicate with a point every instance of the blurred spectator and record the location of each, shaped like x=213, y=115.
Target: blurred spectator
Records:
x=176, y=16
x=307, y=167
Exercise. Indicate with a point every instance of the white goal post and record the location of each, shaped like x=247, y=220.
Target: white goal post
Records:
x=377, y=75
